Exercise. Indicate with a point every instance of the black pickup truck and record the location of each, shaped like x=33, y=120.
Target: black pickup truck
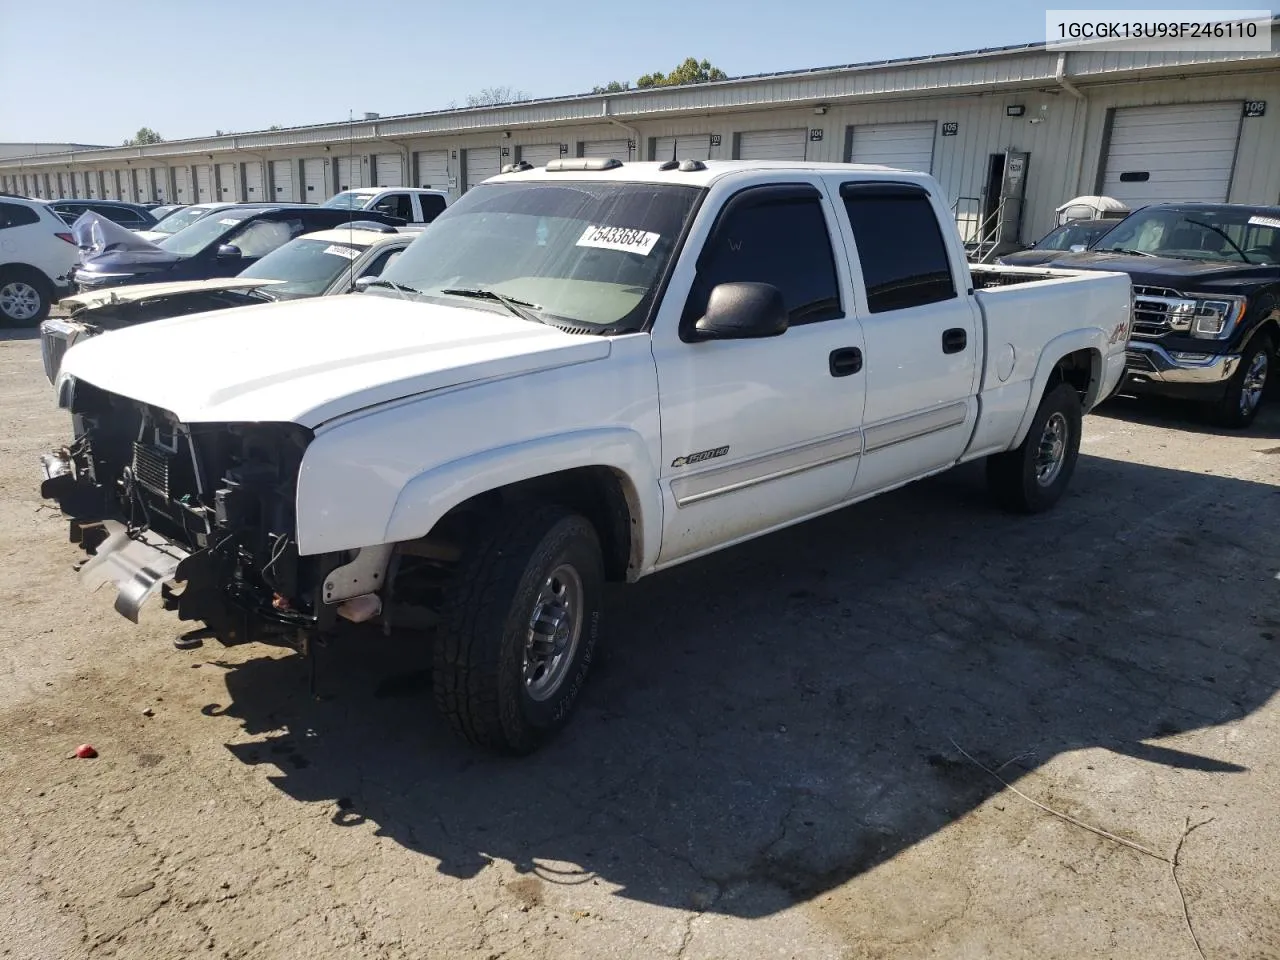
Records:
x=1206, y=282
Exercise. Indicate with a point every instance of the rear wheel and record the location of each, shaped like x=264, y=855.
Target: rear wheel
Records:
x=25, y=296
x=519, y=628
x=1240, y=404
x=1033, y=476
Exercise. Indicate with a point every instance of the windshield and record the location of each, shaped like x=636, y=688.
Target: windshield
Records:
x=1237, y=235
x=583, y=253
x=348, y=200
x=306, y=266
x=181, y=218
x=191, y=240
x=1071, y=234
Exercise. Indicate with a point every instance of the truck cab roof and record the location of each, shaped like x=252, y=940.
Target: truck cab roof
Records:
x=699, y=173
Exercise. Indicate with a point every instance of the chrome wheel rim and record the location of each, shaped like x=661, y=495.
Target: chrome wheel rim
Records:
x=1052, y=451
x=19, y=301
x=555, y=628
x=1255, y=381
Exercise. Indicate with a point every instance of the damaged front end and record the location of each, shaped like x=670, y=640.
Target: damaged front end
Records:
x=203, y=513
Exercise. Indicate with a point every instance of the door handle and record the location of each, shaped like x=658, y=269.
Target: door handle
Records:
x=845, y=361
x=954, y=340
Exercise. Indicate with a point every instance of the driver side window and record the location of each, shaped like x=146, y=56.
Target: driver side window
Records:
x=776, y=235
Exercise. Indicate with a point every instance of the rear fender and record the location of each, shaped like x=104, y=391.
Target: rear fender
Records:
x=1092, y=339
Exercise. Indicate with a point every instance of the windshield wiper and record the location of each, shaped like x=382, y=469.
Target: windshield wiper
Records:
x=399, y=288
x=511, y=303
x=1222, y=234
x=1136, y=253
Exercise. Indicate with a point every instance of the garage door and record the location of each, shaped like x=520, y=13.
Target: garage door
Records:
x=540, y=154
x=617, y=149
x=349, y=173
x=907, y=146
x=687, y=146
x=204, y=183
x=433, y=169
x=773, y=145
x=1176, y=153
x=159, y=182
x=253, y=188
x=314, y=181
x=282, y=180
x=181, y=185
x=389, y=169
x=224, y=182
x=482, y=164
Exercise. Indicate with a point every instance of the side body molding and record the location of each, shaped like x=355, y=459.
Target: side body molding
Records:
x=430, y=495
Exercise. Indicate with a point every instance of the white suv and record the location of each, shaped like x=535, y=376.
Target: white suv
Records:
x=411, y=204
x=37, y=255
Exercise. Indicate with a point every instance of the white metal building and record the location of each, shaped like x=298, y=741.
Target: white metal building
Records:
x=1142, y=127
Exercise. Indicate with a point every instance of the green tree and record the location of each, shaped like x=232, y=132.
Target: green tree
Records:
x=613, y=86
x=144, y=135
x=691, y=71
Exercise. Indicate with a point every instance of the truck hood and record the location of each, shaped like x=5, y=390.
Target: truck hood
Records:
x=309, y=361
x=1186, y=276
x=147, y=291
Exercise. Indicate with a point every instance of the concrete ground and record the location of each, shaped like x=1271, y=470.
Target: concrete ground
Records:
x=779, y=757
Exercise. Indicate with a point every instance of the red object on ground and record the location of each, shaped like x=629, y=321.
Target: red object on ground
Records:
x=85, y=752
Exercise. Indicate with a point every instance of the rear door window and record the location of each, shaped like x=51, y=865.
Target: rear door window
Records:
x=16, y=215
x=432, y=206
x=900, y=246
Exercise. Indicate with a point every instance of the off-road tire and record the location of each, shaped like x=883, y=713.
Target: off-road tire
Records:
x=1228, y=411
x=478, y=674
x=1012, y=476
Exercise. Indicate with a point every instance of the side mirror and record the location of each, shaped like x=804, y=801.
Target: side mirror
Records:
x=1078, y=248
x=742, y=311
x=229, y=251
x=362, y=283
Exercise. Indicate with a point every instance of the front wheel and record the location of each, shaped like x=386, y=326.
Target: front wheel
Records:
x=1033, y=476
x=519, y=628
x=1240, y=404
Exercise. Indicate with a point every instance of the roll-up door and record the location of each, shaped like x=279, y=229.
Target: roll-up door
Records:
x=350, y=173
x=160, y=180
x=687, y=146
x=389, y=170
x=253, y=189
x=77, y=184
x=228, y=184
x=617, y=149
x=315, y=184
x=482, y=164
x=282, y=180
x=204, y=183
x=905, y=146
x=1172, y=154
x=182, y=184
x=62, y=186
x=540, y=154
x=115, y=190
x=433, y=169
x=773, y=144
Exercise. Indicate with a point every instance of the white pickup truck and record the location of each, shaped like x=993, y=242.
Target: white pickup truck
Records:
x=582, y=373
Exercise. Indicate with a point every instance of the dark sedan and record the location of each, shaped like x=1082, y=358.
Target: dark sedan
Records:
x=1059, y=240
x=220, y=245
x=131, y=215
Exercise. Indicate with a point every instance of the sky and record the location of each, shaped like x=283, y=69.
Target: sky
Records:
x=96, y=72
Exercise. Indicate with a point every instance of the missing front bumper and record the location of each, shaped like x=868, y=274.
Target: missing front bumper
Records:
x=137, y=563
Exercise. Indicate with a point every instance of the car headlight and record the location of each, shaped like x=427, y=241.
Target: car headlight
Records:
x=1215, y=319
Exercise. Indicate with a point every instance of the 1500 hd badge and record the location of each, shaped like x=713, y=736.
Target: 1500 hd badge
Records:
x=699, y=456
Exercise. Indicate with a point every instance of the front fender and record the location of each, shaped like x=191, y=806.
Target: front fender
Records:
x=1102, y=375
x=430, y=495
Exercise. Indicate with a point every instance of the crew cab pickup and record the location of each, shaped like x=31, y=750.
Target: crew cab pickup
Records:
x=583, y=373
x=1207, y=301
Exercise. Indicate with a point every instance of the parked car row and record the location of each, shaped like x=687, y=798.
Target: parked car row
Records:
x=583, y=373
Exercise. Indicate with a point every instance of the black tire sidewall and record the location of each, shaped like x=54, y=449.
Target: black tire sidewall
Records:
x=527, y=722
x=1061, y=399
x=41, y=286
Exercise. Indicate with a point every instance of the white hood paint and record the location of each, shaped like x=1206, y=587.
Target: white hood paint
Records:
x=308, y=361
x=136, y=292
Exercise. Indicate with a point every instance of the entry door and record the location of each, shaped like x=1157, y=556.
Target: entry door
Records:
x=921, y=334
x=756, y=433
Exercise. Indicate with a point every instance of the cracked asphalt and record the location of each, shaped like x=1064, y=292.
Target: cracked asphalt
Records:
x=770, y=760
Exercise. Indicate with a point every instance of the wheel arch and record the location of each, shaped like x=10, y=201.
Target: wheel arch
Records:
x=1072, y=358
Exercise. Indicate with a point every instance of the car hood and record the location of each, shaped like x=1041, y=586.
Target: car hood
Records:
x=1183, y=275
x=309, y=361
x=151, y=236
x=104, y=245
x=148, y=291
x=1028, y=258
